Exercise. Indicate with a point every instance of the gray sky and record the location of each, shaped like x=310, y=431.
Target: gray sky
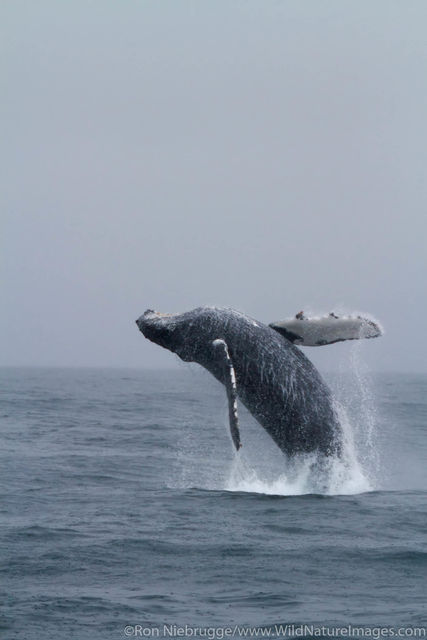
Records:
x=265, y=155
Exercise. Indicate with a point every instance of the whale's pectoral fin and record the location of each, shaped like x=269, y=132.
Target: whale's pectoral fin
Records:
x=231, y=387
x=315, y=332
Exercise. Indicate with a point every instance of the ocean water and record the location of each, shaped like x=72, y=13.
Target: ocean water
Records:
x=124, y=504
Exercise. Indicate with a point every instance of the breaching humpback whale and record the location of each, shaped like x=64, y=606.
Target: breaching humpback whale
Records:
x=260, y=365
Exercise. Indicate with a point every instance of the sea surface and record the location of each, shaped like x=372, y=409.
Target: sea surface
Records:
x=124, y=508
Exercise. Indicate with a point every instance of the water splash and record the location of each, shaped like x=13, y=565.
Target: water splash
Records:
x=243, y=477
x=367, y=412
x=302, y=475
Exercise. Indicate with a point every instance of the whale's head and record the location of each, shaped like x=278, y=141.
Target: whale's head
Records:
x=169, y=330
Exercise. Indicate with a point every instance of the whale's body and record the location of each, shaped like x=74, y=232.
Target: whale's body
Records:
x=273, y=378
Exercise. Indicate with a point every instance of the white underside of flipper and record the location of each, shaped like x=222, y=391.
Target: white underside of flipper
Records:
x=231, y=387
x=318, y=331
